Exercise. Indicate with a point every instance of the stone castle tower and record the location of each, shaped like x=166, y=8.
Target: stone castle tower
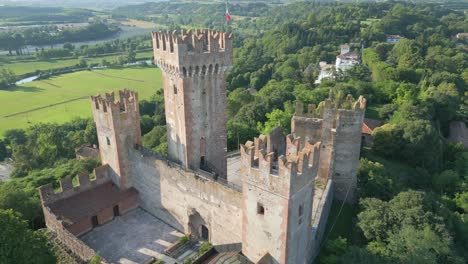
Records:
x=338, y=124
x=194, y=66
x=277, y=195
x=118, y=130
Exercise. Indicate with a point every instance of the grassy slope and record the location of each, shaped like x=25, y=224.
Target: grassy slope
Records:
x=20, y=68
x=69, y=86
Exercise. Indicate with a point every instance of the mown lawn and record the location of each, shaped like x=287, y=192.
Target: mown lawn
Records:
x=70, y=86
x=20, y=68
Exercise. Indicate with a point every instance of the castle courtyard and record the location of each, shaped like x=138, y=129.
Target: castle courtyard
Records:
x=132, y=238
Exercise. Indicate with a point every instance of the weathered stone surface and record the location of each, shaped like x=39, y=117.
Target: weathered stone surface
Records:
x=171, y=193
x=194, y=67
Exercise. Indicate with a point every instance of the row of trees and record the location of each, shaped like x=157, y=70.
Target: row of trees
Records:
x=129, y=45
x=15, y=41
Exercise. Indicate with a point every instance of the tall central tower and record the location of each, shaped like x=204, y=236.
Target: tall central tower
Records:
x=194, y=66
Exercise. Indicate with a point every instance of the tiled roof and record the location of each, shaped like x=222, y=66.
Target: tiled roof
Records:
x=369, y=125
x=87, y=151
x=349, y=56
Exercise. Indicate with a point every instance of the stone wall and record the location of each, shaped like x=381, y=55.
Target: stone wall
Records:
x=118, y=129
x=68, y=239
x=173, y=194
x=320, y=220
x=194, y=66
x=347, y=151
x=277, y=197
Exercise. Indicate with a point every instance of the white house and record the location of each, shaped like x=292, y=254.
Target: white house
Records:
x=326, y=71
x=347, y=60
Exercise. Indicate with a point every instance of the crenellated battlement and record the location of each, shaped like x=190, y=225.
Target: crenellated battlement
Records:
x=127, y=103
x=337, y=102
x=280, y=170
x=118, y=129
x=193, y=53
x=48, y=195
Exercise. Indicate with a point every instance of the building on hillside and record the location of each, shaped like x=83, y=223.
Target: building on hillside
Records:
x=393, y=39
x=327, y=71
x=270, y=204
x=368, y=127
x=462, y=36
x=347, y=58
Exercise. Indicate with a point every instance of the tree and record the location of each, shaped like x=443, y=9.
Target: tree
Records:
x=446, y=182
x=146, y=124
x=356, y=255
x=420, y=246
x=155, y=137
x=236, y=99
x=3, y=150
x=7, y=78
x=277, y=118
x=83, y=62
x=373, y=180
x=20, y=244
x=130, y=56
x=26, y=204
x=461, y=199
x=68, y=46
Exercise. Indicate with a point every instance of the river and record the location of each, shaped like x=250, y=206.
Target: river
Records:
x=126, y=32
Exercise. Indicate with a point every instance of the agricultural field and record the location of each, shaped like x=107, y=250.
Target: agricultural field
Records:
x=24, y=67
x=62, y=98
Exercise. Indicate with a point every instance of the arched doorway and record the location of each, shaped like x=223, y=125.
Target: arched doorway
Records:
x=198, y=227
x=204, y=233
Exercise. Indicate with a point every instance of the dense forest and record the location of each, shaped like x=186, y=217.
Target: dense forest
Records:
x=412, y=182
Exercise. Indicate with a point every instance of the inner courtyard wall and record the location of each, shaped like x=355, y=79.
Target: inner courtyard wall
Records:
x=174, y=194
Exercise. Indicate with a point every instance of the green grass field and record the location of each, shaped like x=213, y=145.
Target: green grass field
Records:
x=70, y=86
x=24, y=67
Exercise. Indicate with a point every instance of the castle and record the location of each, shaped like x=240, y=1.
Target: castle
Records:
x=274, y=209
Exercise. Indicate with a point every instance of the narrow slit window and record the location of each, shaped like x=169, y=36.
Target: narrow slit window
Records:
x=108, y=141
x=260, y=209
x=175, y=89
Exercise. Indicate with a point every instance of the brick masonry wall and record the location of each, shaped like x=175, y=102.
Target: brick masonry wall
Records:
x=81, y=227
x=67, y=238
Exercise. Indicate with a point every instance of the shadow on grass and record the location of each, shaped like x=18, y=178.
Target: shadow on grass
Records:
x=28, y=89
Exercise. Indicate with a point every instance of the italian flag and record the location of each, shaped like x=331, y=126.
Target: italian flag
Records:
x=228, y=16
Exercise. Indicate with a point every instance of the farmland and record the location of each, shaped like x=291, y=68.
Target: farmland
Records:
x=25, y=67
x=61, y=98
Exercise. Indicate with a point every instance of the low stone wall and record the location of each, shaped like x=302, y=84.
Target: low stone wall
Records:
x=319, y=224
x=175, y=195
